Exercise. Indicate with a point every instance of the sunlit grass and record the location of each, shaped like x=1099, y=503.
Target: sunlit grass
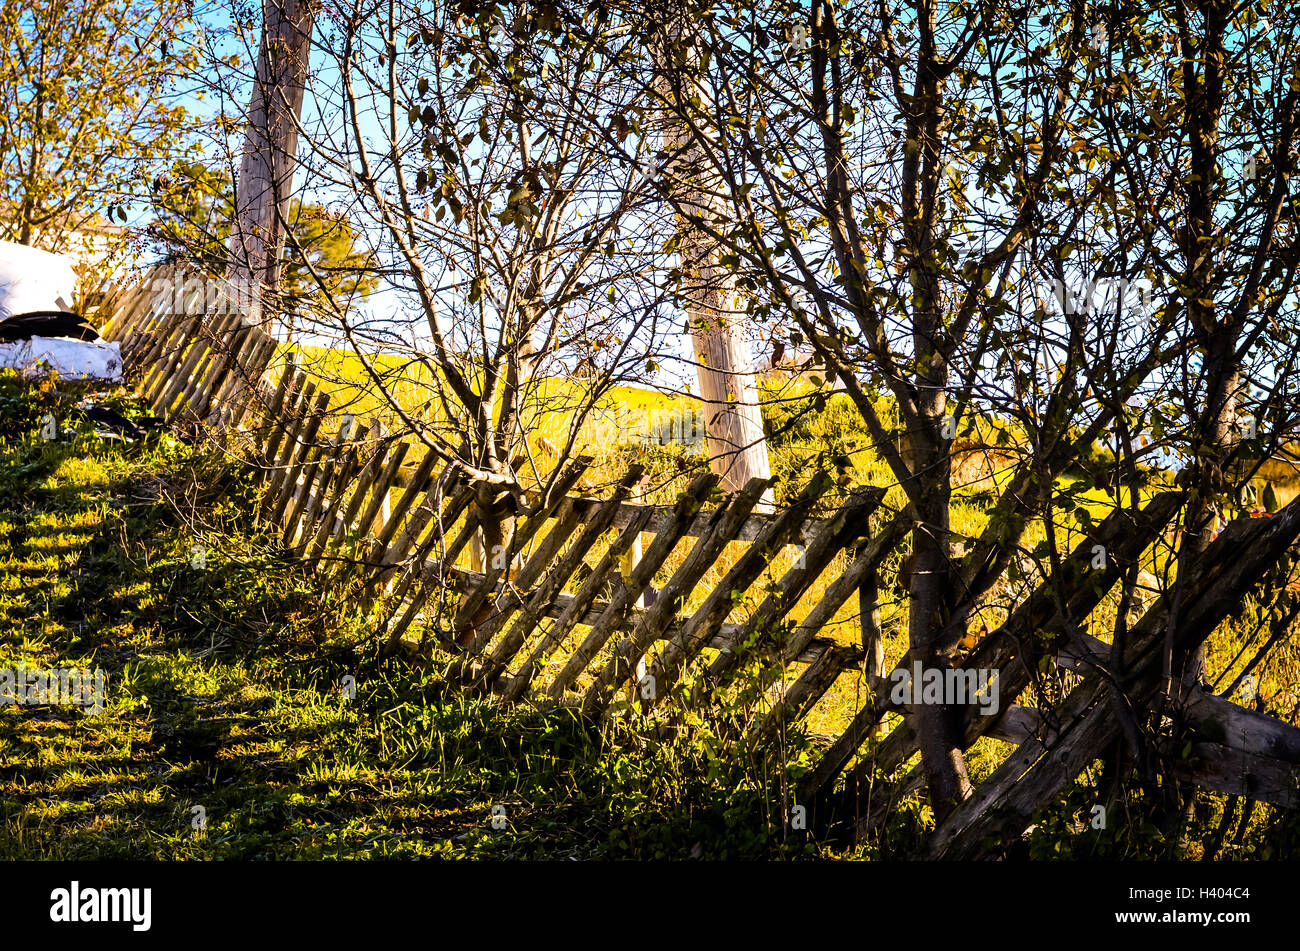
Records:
x=225, y=684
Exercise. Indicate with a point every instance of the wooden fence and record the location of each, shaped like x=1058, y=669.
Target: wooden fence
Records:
x=566, y=615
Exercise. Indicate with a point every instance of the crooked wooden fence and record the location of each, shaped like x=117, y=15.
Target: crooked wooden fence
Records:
x=382, y=514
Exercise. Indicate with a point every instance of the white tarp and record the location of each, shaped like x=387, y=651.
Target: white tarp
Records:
x=32, y=280
x=72, y=359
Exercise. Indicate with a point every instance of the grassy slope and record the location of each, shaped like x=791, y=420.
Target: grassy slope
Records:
x=808, y=436
x=224, y=693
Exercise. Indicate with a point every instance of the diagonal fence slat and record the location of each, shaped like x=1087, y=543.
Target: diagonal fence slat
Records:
x=704, y=623
x=726, y=520
x=635, y=583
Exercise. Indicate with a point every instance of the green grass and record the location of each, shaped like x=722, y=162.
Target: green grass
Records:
x=226, y=693
x=806, y=434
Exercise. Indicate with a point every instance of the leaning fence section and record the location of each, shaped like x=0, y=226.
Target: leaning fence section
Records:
x=567, y=611
x=569, y=614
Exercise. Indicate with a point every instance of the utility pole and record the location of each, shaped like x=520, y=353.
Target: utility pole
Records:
x=733, y=422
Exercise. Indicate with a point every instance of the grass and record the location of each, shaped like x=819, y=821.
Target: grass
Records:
x=228, y=697
x=246, y=717
x=807, y=434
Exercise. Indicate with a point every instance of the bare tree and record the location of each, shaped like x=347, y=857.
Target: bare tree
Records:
x=896, y=257
x=510, y=251
x=1210, y=83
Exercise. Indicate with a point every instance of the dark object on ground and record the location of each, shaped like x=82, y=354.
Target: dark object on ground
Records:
x=110, y=424
x=46, y=323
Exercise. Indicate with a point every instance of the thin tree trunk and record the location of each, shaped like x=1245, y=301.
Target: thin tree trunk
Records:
x=1216, y=338
x=927, y=447
x=270, y=146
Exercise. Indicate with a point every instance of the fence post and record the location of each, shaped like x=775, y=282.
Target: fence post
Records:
x=474, y=551
x=873, y=641
x=625, y=566
x=633, y=553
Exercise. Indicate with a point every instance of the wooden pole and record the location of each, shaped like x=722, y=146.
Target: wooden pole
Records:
x=626, y=566
x=728, y=387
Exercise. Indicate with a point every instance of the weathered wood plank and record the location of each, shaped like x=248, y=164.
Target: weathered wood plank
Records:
x=165, y=333
x=161, y=370
x=704, y=623
x=244, y=389
x=566, y=523
x=692, y=501
x=323, y=462
x=381, y=486
x=288, y=449
x=797, y=701
x=208, y=344
x=726, y=519
x=370, y=471
x=846, y=656
x=288, y=404
x=307, y=450
x=1121, y=536
x=377, y=554
x=1220, y=577
x=848, y=523
x=1238, y=772
x=470, y=613
x=661, y=515
x=231, y=357
x=190, y=371
x=335, y=493
x=540, y=600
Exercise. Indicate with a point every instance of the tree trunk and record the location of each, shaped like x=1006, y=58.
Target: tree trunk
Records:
x=266, y=170
x=728, y=387
x=931, y=597
x=1203, y=105
x=927, y=446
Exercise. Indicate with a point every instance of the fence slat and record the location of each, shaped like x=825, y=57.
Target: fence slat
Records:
x=848, y=522
x=278, y=483
x=378, y=496
x=684, y=513
x=278, y=465
x=727, y=520
x=284, y=413
x=190, y=372
x=472, y=609
x=330, y=499
x=212, y=337
x=306, y=449
x=370, y=471
x=323, y=460
x=510, y=602
x=379, y=552
x=160, y=367
x=576, y=610
x=701, y=626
